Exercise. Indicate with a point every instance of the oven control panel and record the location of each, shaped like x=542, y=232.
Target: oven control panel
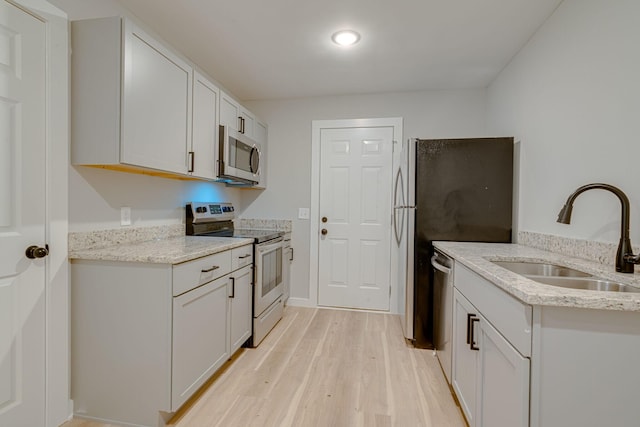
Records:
x=210, y=211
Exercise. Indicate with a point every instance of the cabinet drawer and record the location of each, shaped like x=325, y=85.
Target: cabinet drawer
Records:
x=508, y=315
x=241, y=257
x=194, y=273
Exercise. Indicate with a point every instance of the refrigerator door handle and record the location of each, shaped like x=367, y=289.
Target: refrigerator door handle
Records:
x=438, y=266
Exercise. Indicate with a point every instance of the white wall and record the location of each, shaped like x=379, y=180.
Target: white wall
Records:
x=572, y=97
x=96, y=196
x=435, y=114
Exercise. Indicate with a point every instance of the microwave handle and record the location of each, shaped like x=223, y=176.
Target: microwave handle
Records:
x=255, y=154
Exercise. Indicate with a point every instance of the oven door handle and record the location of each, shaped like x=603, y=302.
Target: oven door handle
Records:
x=264, y=248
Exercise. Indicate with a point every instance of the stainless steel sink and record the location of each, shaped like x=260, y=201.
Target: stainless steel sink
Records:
x=590, y=284
x=529, y=268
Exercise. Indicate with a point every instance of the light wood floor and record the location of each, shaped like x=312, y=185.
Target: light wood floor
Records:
x=323, y=367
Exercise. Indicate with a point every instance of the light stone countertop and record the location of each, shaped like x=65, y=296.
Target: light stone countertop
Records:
x=478, y=256
x=162, y=251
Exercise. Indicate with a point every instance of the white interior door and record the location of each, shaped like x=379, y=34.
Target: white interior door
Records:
x=355, y=210
x=22, y=217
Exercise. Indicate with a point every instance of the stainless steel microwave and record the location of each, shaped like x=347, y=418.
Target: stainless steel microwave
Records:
x=239, y=157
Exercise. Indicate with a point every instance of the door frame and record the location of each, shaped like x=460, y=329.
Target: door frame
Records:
x=314, y=227
x=58, y=406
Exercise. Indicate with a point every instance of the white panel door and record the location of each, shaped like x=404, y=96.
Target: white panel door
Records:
x=464, y=371
x=22, y=217
x=241, y=302
x=355, y=211
x=503, y=383
x=156, y=111
x=200, y=340
x=204, y=136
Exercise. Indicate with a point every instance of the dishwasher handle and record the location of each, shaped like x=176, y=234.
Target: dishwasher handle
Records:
x=438, y=266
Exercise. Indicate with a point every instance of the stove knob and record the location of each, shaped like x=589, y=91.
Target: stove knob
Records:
x=201, y=209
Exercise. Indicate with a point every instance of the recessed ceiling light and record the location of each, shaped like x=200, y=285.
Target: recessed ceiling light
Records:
x=345, y=37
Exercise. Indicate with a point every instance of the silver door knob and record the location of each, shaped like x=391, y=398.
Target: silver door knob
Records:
x=324, y=231
x=34, y=252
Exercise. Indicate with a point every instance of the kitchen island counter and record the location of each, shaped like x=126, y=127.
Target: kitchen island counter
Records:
x=478, y=256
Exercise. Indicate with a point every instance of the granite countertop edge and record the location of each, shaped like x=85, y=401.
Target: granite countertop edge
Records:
x=174, y=250
x=478, y=256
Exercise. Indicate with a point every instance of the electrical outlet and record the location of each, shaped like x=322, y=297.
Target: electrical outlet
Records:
x=125, y=215
x=303, y=213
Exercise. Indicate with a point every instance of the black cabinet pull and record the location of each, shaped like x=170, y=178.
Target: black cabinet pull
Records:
x=472, y=344
x=209, y=270
x=192, y=156
x=244, y=256
x=469, y=316
x=233, y=287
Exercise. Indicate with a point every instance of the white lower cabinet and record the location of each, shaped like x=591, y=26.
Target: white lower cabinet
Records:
x=503, y=383
x=146, y=336
x=543, y=365
x=240, y=306
x=199, y=338
x=489, y=375
x=465, y=360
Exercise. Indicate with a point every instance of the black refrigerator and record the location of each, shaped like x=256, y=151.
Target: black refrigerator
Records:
x=452, y=190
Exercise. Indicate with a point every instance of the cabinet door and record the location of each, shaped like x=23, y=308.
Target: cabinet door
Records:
x=204, y=140
x=156, y=110
x=247, y=122
x=465, y=359
x=200, y=340
x=503, y=381
x=241, y=294
x=261, y=137
x=229, y=112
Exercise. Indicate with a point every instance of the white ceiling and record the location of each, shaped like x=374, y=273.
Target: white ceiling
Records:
x=266, y=49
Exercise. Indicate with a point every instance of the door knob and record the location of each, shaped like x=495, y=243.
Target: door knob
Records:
x=323, y=231
x=34, y=252
x=324, y=219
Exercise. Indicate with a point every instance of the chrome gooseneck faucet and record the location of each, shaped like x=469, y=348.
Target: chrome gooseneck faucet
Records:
x=625, y=259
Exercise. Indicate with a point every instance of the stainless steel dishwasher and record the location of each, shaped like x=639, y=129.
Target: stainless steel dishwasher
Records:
x=443, y=309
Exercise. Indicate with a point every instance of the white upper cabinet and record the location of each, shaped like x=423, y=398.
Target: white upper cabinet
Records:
x=131, y=98
x=237, y=117
x=138, y=106
x=229, y=112
x=247, y=122
x=204, y=142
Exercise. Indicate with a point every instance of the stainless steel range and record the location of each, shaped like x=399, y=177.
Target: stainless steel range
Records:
x=216, y=219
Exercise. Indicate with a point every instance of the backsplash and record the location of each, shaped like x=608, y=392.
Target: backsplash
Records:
x=265, y=224
x=104, y=238
x=604, y=253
